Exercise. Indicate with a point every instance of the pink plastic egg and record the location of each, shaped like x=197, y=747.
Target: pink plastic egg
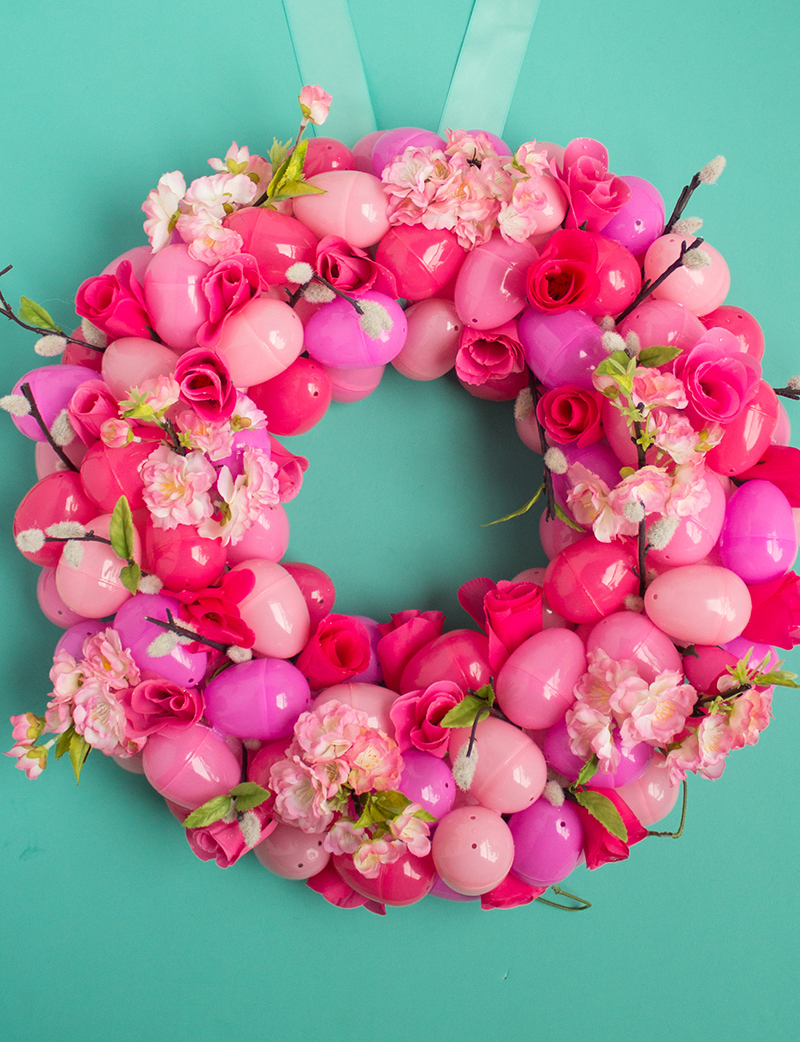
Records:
x=663, y=323
x=562, y=349
x=362, y=151
x=276, y=240
x=781, y=436
x=139, y=257
x=73, y=639
x=110, y=473
x=291, y=853
x=275, y=610
x=633, y=760
x=548, y=842
x=461, y=656
x=511, y=771
x=137, y=634
x=267, y=538
x=619, y=275
x=423, y=260
x=627, y=635
x=47, y=462
x=371, y=699
x=52, y=386
x=403, y=882
x=699, y=604
x=758, y=540
x=392, y=143
x=353, y=206
x=326, y=153
x=258, y=699
x=589, y=579
x=472, y=850
x=747, y=437
x=742, y=324
x=294, y=400
x=131, y=360
x=652, y=796
x=316, y=587
x=701, y=290
x=428, y=780
x=535, y=684
x=53, y=608
x=446, y=893
x=353, y=385
x=190, y=765
x=93, y=589
x=172, y=295
x=490, y=286
x=334, y=335
x=182, y=558
x=695, y=536
x=59, y=497
x=260, y=341
x=641, y=220
x=432, y=341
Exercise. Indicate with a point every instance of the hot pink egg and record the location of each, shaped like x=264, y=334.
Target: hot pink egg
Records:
x=403, y=882
x=423, y=260
x=461, y=656
x=276, y=240
x=747, y=437
x=110, y=473
x=182, y=558
x=316, y=587
x=589, y=579
x=742, y=324
x=296, y=399
x=59, y=497
x=326, y=153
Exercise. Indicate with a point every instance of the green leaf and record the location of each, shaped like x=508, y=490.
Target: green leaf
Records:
x=35, y=315
x=423, y=815
x=649, y=357
x=388, y=804
x=463, y=715
x=213, y=810
x=121, y=531
x=517, y=513
x=130, y=576
x=291, y=189
x=588, y=770
x=615, y=364
x=79, y=749
x=562, y=515
x=601, y=808
x=365, y=819
x=486, y=693
x=249, y=795
x=779, y=677
x=294, y=164
x=62, y=745
x=277, y=154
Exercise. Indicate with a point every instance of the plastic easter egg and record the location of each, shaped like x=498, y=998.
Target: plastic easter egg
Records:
x=276, y=240
x=93, y=588
x=511, y=771
x=291, y=853
x=52, y=386
x=598, y=458
x=758, y=540
x=555, y=535
x=699, y=604
x=633, y=761
x=781, y=436
x=172, y=296
x=497, y=143
x=131, y=360
x=353, y=206
x=432, y=341
x=372, y=699
x=619, y=275
x=139, y=257
x=742, y=324
x=403, y=882
x=258, y=699
x=696, y=535
x=428, y=780
x=334, y=335
x=562, y=349
x=316, y=587
x=182, y=558
x=706, y=665
x=362, y=151
x=663, y=323
x=326, y=153
x=747, y=437
x=59, y=497
x=423, y=260
x=268, y=538
x=190, y=765
x=461, y=656
x=373, y=673
x=260, y=341
x=393, y=143
x=490, y=286
x=48, y=462
x=472, y=850
x=618, y=434
x=110, y=473
x=275, y=610
x=132, y=764
x=137, y=634
x=701, y=290
x=294, y=400
x=548, y=842
x=652, y=796
x=628, y=635
x=73, y=639
x=526, y=425
x=53, y=608
x=353, y=385
x=589, y=579
x=535, y=684
x=641, y=220
x=447, y=893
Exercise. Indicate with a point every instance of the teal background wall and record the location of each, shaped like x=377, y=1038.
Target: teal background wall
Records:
x=111, y=929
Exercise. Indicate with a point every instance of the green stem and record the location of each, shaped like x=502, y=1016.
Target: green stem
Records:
x=677, y=834
x=582, y=905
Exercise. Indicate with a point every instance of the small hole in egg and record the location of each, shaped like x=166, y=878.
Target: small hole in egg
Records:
x=474, y=846
x=299, y=864
x=319, y=842
x=472, y=817
x=562, y=824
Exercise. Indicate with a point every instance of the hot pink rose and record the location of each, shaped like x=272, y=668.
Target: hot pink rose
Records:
x=491, y=362
x=214, y=611
x=402, y=638
x=601, y=846
x=224, y=842
x=780, y=464
x=290, y=469
x=338, y=651
x=594, y=193
x=513, y=613
x=565, y=274
x=333, y=888
x=417, y=717
x=351, y=269
x=720, y=379
x=775, y=616
x=511, y=893
x=90, y=406
x=206, y=384
x=115, y=304
x=156, y=702
x=571, y=414
x=227, y=287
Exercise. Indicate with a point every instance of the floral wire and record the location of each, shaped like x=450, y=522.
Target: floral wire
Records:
x=677, y=834
x=582, y=905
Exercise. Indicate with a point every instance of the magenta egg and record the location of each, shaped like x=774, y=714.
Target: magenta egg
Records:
x=548, y=842
x=190, y=765
x=422, y=260
x=258, y=699
x=619, y=275
x=781, y=436
x=335, y=337
x=432, y=340
x=291, y=853
x=706, y=665
x=651, y=796
x=353, y=385
x=58, y=497
x=701, y=290
x=316, y=587
x=172, y=296
x=137, y=634
x=267, y=537
x=296, y=399
x=628, y=635
x=182, y=558
x=53, y=608
x=758, y=540
x=590, y=579
x=326, y=153
x=52, y=386
x=699, y=604
x=695, y=536
x=472, y=850
x=93, y=589
x=73, y=639
x=276, y=240
x=641, y=220
x=275, y=610
x=742, y=324
x=562, y=349
x=535, y=685
x=353, y=205
x=362, y=151
x=663, y=323
x=403, y=882
x=392, y=143
x=260, y=341
x=372, y=699
x=511, y=771
x=747, y=437
x=131, y=360
x=110, y=473
x=633, y=761
x=428, y=780
x=490, y=286
x=461, y=656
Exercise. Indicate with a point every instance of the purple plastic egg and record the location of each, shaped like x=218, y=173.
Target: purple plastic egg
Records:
x=392, y=143
x=565, y=348
x=428, y=780
x=137, y=634
x=258, y=699
x=548, y=842
x=334, y=335
x=641, y=220
x=633, y=761
x=758, y=540
x=73, y=639
x=52, y=386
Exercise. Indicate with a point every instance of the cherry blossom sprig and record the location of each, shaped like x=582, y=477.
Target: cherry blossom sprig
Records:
x=287, y=181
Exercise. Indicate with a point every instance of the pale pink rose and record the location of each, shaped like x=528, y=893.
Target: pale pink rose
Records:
x=99, y=716
x=314, y=103
x=417, y=717
x=117, y=433
x=650, y=486
x=176, y=487
x=651, y=388
x=376, y=852
x=674, y=435
x=327, y=732
x=91, y=405
x=344, y=837
x=592, y=732
x=414, y=832
x=105, y=659
x=750, y=714
x=239, y=161
x=32, y=759
x=375, y=762
x=225, y=841
x=658, y=713
x=299, y=796
x=162, y=208
x=689, y=493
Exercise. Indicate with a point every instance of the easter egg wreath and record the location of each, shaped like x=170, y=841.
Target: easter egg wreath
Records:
x=383, y=761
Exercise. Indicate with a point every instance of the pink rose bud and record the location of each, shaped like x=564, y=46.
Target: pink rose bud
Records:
x=314, y=103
